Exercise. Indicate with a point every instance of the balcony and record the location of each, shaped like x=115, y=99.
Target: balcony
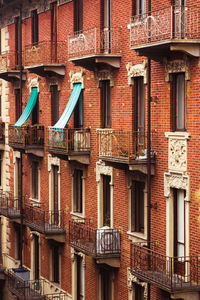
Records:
x=124, y=148
x=173, y=274
x=46, y=58
x=2, y=135
x=71, y=144
x=9, y=207
x=165, y=30
x=90, y=48
x=29, y=138
x=9, y=66
x=47, y=222
x=102, y=244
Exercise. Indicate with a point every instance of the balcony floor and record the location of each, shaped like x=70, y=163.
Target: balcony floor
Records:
x=47, y=69
x=12, y=75
x=46, y=229
x=10, y=212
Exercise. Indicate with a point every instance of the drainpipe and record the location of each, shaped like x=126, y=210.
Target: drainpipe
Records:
x=149, y=152
x=21, y=154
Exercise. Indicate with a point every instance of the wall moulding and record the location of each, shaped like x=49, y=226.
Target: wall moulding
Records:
x=177, y=66
x=104, y=74
x=136, y=71
x=76, y=77
x=176, y=181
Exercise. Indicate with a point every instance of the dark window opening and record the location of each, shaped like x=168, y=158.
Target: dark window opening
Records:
x=55, y=264
x=17, y=41
x=35, y=166
x=139, y=292
x=1, y=171
x=78, y=15
x=54, y=104
x=138, y=7
x=34, y=24
x=80, y=279
x=78, y=195
x=137, y=207
x=54, y=21
x=106, y=200
x=17, y=241
x=36, y=258
x=106, y=285
x=78, y=113
x=55, y=217
x=35, y=113
x=105, y=104
x=17, y=104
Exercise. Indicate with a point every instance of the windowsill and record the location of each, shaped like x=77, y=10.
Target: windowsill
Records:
x=180, y=134
x=35, y=202
x=78, y=215
x=137, y=235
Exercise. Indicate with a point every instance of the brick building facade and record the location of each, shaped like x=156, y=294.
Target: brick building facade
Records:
x=92, y=206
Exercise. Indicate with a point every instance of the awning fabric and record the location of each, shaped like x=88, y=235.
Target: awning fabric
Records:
x=62, y=122
x=28, y=109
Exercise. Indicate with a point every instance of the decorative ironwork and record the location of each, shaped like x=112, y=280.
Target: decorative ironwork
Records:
x=27, y=136
x=66, y=141
x=169, y=273
x=94, y=41
x=9, y=207
x=169, y=23
x=122, y=145
x=45, y=52
x=9, y=60
x=94, y=242
x=56, y=296
x=2, y=132
x=47, y=222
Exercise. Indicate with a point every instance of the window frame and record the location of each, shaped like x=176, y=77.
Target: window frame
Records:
x=35, y=181
x=137, y=188
x=105, y=96
x=78, y=191
x=55, y=263
x=34, y=27
x=78, y=15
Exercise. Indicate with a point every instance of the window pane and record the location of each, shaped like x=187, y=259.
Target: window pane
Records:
x=180, y=216
x=35, y=180
x=106, y=200
x=78, y=197
x=180, y=101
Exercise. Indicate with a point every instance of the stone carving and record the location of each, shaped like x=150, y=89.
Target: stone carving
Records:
x=132, y=279
x=176, y=181
x=104, y=75
x=34, y=82
x=53, y=161
x=136, y=71
x=77, y=77
x=54, y=81
x=177, y=66
x=101, y=169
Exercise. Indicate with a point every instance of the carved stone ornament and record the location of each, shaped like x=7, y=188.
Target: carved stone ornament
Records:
x=53, y=161
x=131, y=279
x=177, y=66
x=176, y=181
x=136, y=71
x=77, y=77
x=101, y=169
x=104, y=75
x=54, y=81
x=34, y=83
x=177, y=151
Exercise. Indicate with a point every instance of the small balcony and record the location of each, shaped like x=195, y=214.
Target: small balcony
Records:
x=124, y=148
x=173, y=274
x=2, y=135
x=46, y=58
x=92, y=47
x=49, y=223
x=29, y=138
x=9, y=207
x=69, y=144
x=103, y=243
x=174, y=28
x=9, y=66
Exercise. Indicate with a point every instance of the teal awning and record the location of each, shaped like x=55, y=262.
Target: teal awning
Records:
x=62, y=122
x=28, y=109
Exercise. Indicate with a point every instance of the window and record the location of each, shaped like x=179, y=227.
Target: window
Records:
x=139, y=104
x=178, y=102
x=17, y=241
x=78, y=113
x=17, y=104
x=18, y=179
x=105, y=104
x=137, y=207
x=54, y=204
x=54, y=21
x=35, y=179
x=36, y=258
x=106, y=200
x=54, y=104
x=139, y=292
x=0, y=107
x=106, y=284
x=80, y=278
x=35, y=113
x=138, y=7
x=1, y=173
x=55, y=264
x=78, y=193
x=78, y=15
x=34, y=24
x=17, y=41
x=179, y=223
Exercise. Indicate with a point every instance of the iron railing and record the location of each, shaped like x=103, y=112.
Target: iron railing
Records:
x=169, y=273
x=26, y=136
x=25, y=289
x=45, y=52
x=122, y=145
x=166, y=24
x=66, y=141
x=9, y=60
x=56, y=296
x=95, y=41
x=47, y=222
x=94, y=242
x=2, y=132
x=9, y=207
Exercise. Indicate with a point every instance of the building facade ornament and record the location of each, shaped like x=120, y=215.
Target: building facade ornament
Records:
x=53, y=160
x=136, y=71
x=131, y=279
x=104, y=74
x=102, y=169
x=176, y=181
x=34, y=83
x=76, y=77
x=177, y=66
x=54, y=80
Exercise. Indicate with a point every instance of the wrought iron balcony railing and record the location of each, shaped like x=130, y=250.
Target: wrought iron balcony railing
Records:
x=94, y=41
x=67, y=141
x=9, y=60
x=2, y=132
x=123, y=146
x=169, y=273
x=99, y=243
x=56, y=296
x=9, y=207
x=47, y=222
x=166, y=24
x=25, y=289
x=45, y=52
x=27, y=136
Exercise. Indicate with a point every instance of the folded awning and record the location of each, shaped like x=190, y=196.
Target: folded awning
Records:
x=28, y=109
x=62, y=122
